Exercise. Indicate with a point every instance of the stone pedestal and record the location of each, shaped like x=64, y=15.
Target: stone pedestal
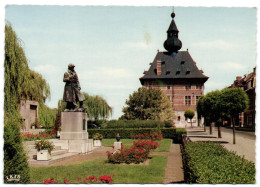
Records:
x=117, y=145
x=73, y=126
x=74, y=130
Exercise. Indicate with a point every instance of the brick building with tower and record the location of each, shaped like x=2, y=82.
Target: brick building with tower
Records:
x=177, y=75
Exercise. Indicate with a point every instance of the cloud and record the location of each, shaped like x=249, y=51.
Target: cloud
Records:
x=108, y=72
x=231, y=66
x=140, y=45
x=46, y=68
x=217, y=44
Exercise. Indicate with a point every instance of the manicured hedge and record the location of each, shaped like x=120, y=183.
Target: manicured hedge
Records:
x=172, y=133
x=116, y=124
x=211, y=163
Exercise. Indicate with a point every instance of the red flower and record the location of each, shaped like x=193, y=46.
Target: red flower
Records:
x=66, y=181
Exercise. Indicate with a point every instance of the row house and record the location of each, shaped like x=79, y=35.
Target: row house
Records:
x=247, y=83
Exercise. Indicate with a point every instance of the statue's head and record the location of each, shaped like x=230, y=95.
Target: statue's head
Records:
x=71, y=66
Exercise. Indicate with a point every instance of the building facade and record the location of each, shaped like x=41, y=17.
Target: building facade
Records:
x=177, y=75
x=29, y=112
x=248, y=84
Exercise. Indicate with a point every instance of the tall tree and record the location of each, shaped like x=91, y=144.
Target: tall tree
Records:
x=235, y=101
x=213, y=105
x=148, y=104
x=20, y=83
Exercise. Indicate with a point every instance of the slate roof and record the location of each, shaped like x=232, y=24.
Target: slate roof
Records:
x=172, y=64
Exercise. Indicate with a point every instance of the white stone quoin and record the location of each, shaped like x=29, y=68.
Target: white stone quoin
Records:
x=43, y=155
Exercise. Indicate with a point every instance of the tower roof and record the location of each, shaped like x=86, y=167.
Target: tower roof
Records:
x=180, y=66
x=172, y=44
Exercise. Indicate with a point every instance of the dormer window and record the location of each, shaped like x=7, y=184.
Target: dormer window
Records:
x=163, y=63
x=178, y=72
x=168, y=72
x=182, y=62
x=187, y=72
x=155, y=71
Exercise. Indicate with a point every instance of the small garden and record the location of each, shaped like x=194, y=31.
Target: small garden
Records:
x=121, y=166
x=211, y=163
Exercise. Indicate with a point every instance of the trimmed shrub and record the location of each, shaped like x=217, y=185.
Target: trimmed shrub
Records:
x=153, y=136
x=211, y=163
x=172, y=133
x=15, y=160
x=122, y=124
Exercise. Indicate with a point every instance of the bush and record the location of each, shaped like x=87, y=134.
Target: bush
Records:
x=44, y=144
x=122, y=124
x=207, y=162
x=172, y=133
x=15, y=160
x=31, y=137
x=97, y=136
x=135, y=154
x=151, y=136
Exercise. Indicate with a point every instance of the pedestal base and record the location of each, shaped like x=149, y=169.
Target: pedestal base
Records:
x=73, y=126
x=117, y=145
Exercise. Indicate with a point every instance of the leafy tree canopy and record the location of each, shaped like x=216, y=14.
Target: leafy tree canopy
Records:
x=148, y=104
x=189, y=113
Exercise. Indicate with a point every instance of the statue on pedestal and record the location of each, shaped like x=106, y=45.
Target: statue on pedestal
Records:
x=72, y=93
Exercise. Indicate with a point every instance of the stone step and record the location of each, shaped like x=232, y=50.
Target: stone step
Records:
x=54, y=159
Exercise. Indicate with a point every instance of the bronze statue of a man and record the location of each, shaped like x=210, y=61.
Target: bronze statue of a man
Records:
x=72, y=92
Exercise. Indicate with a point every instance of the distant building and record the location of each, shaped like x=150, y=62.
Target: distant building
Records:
x=29, y=112
x=247, y=83
x=177, y=75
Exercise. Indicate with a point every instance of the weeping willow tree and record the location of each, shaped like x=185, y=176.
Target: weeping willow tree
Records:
x=20, y=83
x=96, y=107
x=47, y=116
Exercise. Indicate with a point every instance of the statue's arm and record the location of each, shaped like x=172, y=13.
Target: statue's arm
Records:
x=66, y=77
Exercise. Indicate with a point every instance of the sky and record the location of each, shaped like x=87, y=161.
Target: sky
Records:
x=111, y=46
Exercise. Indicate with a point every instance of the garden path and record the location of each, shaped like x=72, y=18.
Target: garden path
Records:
x=173, y=172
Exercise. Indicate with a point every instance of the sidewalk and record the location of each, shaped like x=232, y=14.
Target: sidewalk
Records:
x=173, y=172
x=244, y=146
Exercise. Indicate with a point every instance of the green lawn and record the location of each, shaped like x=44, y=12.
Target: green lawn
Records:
x=140, y=174
x=164, y=145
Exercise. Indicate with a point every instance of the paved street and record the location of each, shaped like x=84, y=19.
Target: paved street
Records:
x=245, y=141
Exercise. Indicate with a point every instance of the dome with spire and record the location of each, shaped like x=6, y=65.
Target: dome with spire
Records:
x=172, y=44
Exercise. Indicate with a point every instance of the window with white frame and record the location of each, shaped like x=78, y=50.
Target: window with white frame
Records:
x=188, y=100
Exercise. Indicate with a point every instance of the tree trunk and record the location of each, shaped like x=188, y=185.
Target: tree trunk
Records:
x=234, y=131
x=191, y=123
x=204, y=125
x=219, y=130
x=210, y=128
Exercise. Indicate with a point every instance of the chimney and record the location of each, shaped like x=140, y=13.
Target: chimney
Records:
x=239, y=78
x=159, y=67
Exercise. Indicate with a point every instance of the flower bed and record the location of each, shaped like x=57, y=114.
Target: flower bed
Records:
x=42, y=135
x=152, y=136
x=88, y=180
x=137, y=153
